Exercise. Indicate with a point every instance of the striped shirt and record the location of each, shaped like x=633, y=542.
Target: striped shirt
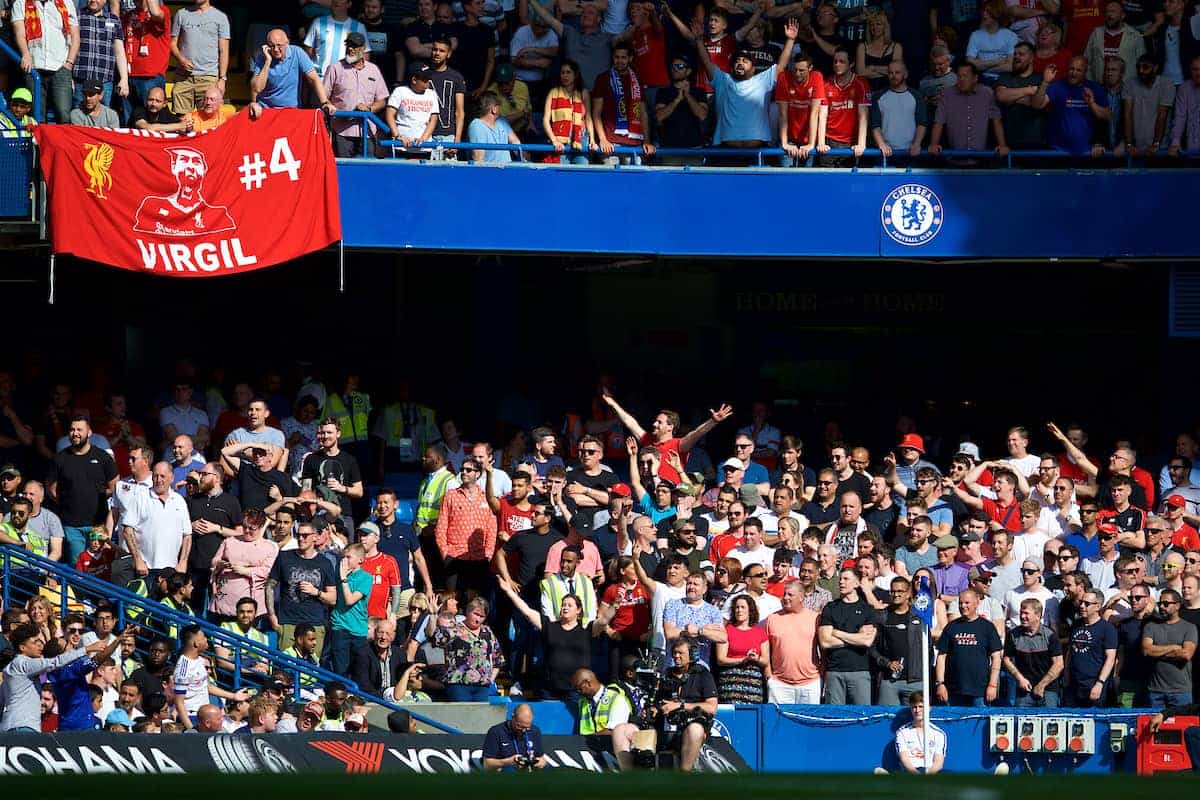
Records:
x=327, y=40
x=466, y=527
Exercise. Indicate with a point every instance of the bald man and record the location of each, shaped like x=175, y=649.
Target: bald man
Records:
x=210, y=719
x=514, y=745
x=605, y=711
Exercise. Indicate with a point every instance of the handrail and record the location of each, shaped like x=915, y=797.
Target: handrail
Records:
x=34, y=75
x=15, y=558
x=758, y=153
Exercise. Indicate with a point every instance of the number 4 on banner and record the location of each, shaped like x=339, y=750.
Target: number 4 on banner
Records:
x=282, y=160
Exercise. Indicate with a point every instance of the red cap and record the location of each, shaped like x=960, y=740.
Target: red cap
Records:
x=1176, y=501
x=1109, y=527
x=620, y=490
x=914, y=441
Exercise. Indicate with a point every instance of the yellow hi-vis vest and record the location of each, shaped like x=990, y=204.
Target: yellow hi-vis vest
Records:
x=352, y=423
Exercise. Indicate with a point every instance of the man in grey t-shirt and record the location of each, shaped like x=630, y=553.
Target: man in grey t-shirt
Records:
x=589, y=46
x=200, y=43
x=1170, y=644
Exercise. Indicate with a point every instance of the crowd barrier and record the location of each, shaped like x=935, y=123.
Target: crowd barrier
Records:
x=353, y=754
x=857, y=739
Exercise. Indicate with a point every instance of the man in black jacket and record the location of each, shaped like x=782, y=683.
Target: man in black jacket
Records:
x=896, y=652
x=376, y=665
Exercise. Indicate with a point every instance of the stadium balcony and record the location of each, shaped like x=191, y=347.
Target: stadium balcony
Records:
x=68, y=591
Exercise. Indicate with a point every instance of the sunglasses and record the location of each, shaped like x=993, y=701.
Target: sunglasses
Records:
x=722, y=571
x=590, y=452
x=1136, y=597
x=74, y=630
x=1030, y=571
x=471, y=469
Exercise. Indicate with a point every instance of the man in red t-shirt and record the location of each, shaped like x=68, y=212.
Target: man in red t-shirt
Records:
x=799, y=94
x=1004, y=511
x=663, y=437
x=1082, y=17
x=718, y=42
x=384, y=599
x=847, y=99
x=649, y=49
x=1183, y=536
x=147, y=28
x=620, y=120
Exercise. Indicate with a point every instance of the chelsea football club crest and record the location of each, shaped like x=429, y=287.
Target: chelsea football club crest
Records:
x=922, y=602
x=912, y=214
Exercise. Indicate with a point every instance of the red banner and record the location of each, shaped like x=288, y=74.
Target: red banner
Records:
x=246, y=195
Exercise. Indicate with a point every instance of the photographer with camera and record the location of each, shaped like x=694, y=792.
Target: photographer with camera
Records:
x=515, y=744
x=686, y=704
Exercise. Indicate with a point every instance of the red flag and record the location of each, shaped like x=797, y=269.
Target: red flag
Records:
x=246, y=195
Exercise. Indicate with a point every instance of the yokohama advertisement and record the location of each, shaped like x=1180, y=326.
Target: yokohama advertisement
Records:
x=151, y=754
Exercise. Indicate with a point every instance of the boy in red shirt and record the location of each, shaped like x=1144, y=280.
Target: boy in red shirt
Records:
x=799, y=93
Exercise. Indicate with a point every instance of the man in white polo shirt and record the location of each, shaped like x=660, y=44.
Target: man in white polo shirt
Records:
x=156, y=528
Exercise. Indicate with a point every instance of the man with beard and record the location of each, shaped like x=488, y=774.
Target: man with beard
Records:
x=80, y=480
x=215, y=515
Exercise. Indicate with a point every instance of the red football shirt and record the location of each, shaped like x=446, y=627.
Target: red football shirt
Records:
x=1082, y=17
x=1009, y=515
x=147, y=42
x=844, y=102
x=665, y=470
x=650, y=56
x=1186, y=538
x=799, y=98
x=385, y=573
x=720, y=52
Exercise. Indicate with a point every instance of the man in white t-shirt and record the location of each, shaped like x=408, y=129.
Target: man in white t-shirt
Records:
x=661, y=593
x=1031, y=586
x=191, y=679
x=917, y=755
x=412, y=111
x=752, y=550
x=1019, y=457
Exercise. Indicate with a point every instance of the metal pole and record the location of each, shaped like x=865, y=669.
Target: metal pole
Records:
x=51, y=277
x=342, y=266
x=925, y=690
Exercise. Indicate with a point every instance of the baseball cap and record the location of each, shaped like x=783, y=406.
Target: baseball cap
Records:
x=620, y=490
x=945, y=542
x=969, y=449
x=368, y=528
x=914, y=441
x=686, y=489
x=980, y=572
x=1174, y=501
x=10, y=471
x=733, y=463
x=355, y=39
x=751, y=496
x=504, y=73
x=420, y=70
x=582, y=523
x=118, y=716
x=92, y=87
x=315, y=708
x=276, y=686
x=1109, y=528
x=21, y=94
x=93, y=535
x=354, y=722
x=969, y=537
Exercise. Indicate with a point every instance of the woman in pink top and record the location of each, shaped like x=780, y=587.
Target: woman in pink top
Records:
x=241, y=566
x=743, y=662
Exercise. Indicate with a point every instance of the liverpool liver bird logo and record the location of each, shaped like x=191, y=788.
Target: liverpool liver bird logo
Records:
x=96, y=164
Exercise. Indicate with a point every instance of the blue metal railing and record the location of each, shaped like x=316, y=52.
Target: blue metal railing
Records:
x=761, y=156
x=34, y=76
x=26, y=574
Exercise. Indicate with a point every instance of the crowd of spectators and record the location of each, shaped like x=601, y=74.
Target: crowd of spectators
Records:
x=1082, y=77
x=1067, y=577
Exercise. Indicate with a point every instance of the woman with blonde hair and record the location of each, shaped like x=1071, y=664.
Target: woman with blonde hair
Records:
x=875, y=54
